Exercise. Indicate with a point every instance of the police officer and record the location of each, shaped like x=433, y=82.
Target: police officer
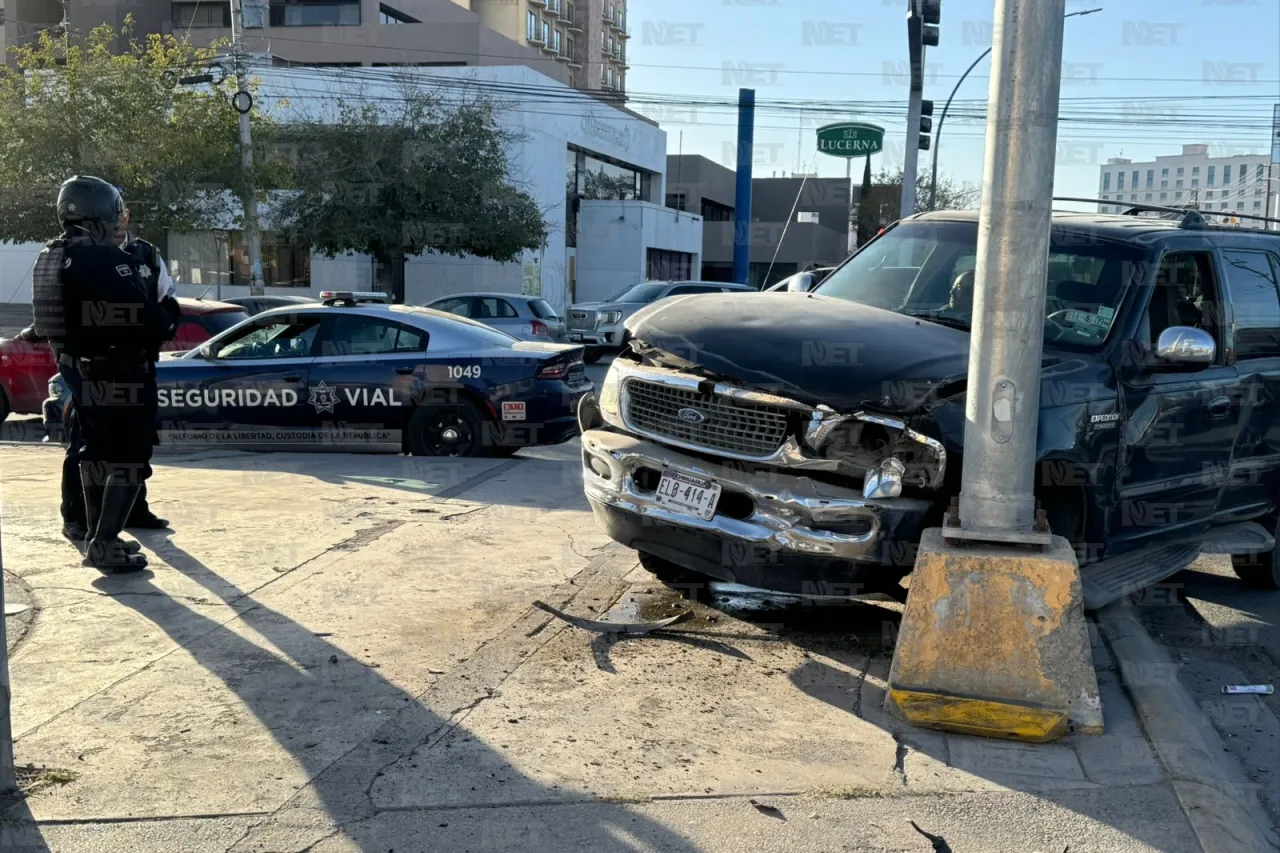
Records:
x=160, y=290
x=108, y=326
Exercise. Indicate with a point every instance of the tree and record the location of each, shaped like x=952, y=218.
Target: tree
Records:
x=881, y=205
x=87, y=107
x=395, y=177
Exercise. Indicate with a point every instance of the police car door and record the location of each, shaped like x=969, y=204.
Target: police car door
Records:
x=248, y=387
x=367, y=370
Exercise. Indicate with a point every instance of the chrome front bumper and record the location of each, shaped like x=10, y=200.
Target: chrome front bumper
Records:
x=779, y=511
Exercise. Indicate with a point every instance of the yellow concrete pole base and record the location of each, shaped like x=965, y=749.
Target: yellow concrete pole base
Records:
x=994, y=642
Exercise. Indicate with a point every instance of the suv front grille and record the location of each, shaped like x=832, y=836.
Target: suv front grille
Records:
x=583, y=321
x=729, y=426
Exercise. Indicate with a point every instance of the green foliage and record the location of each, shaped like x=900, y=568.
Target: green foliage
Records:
x=111, y=106
x=882, y=201
x=401, y=176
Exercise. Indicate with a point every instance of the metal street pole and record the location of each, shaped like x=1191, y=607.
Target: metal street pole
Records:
x=252, y=239
x=851, y=244
x=742, y=197
x=911, y=160
x=937, y=133
x=998, y=478
x=8, y=779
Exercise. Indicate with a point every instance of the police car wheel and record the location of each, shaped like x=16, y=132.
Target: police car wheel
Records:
x=4, y=406
x=447, y=430
x=591, y=356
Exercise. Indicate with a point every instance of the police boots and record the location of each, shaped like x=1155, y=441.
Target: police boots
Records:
x=76, y=518
x=107, y=511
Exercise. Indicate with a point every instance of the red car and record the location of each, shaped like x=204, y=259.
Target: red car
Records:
x=26, y=362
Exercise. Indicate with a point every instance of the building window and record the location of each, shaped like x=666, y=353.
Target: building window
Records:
x=809, y=216
x=1257, y=205
x=677, y=201
x=1151, y=178
x=1209, y=194
x=1148, y=197
x=1244, y=172
x=1119, y=180
x=1226, y=175
x=1195, y=170
x=533, y=28
x=1106, y=180
x=1180, y=171
x=206, y=14
x=555, y=40
x=1178, y=183
x=665, y=265
x=1105, y=197
x=387, y=15
x=1177, y=195
x=546, y=33
x=316, y=13
x=1164, y=185
x=1133, y=196
x=1135, y=179
x=1164, y=196
x=1164, y=173
x=1260, y=173
x=714, y=211
x=1212, y=169
x=1195, y=182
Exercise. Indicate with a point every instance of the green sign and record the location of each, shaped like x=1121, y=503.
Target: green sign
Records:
x=850, y=139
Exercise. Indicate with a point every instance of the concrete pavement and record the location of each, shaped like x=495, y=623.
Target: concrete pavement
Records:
x=338, y=653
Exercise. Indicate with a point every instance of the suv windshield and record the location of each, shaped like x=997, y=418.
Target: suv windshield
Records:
x=926, y=270
x=644, y=292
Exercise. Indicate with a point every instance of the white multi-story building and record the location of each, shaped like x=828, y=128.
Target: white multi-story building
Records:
x=1207, y=179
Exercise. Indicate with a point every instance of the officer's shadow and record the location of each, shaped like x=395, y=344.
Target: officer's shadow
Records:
x=345, y=724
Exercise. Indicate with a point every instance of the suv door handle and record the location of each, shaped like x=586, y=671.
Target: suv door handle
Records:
x=293, y=377
x=404, y=371
x=1219, y=408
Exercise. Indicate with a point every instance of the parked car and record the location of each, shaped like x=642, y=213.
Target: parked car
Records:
x=354, y=374
x=257, y=304
x=802, y=282
x=529, y=318
x=26, y=362
x=599, y=325
x=802, y=444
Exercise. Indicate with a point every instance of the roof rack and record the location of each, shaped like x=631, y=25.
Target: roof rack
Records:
x=1190, y=217
x=351, y=297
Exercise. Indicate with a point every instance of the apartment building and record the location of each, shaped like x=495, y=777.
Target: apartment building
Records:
x=441, y=33
x=1210, y=180
x=590, y=36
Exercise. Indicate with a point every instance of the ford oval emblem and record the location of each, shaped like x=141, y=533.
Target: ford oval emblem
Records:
x=692, y=416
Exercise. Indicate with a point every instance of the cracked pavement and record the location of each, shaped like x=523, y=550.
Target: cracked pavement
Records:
x=338, y=653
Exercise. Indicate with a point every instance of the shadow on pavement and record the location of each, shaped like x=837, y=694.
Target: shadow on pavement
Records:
x=307, y=691
x=18, y=830
x=861, y=634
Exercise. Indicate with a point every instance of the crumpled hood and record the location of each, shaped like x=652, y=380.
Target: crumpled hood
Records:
x=811, y=348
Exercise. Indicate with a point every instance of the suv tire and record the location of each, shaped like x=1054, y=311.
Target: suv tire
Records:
x=1260, y=571
x=591, y=355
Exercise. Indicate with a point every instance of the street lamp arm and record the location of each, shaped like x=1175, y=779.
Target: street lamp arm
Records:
x=937, y=133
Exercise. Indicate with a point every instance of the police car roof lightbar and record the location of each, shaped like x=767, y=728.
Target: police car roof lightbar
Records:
x=330, y=297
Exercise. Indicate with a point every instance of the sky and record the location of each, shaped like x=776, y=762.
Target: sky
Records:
x=1140, y=79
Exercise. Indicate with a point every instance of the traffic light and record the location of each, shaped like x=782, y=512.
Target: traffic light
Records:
x=926, y=124
x=931, y=16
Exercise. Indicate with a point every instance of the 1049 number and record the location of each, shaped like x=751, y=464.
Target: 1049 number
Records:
x=464, y=371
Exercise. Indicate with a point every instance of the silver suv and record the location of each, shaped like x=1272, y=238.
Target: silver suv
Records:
x=598, y=325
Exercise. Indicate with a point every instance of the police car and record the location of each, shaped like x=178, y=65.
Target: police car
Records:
x=352, y=373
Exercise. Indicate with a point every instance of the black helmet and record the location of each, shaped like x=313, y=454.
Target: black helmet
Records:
x=87, y=199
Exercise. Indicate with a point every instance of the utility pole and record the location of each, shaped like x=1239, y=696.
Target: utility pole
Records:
x=8, y=780
x=995, y=561
x=742, y=196
x=923, y=17
x=243, y=102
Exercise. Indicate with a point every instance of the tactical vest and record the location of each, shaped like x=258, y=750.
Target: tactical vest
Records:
x=48, y=307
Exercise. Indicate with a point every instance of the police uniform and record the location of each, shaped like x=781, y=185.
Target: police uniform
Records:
x=109, y=323
x=160, y=287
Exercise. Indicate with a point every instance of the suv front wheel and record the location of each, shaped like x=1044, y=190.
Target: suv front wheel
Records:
x=1260, y=570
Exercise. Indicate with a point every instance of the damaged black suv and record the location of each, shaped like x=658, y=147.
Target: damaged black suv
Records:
x=802, y=442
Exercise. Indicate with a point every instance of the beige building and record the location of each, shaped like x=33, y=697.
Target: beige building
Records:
x=579, y=42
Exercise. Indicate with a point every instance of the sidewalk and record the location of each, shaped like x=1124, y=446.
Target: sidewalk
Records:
x=339, y=654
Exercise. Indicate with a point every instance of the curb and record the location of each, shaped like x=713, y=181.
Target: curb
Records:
x=1219, y=802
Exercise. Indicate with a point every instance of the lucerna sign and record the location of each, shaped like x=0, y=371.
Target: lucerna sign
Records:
x=850, y=139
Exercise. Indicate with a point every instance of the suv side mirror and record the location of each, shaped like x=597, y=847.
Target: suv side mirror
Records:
x=1185, y=347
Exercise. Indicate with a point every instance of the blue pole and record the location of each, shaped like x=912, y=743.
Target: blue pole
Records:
x=742, y=199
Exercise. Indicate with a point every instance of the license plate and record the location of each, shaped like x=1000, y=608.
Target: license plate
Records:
x=576, y=338
x=688, y=494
